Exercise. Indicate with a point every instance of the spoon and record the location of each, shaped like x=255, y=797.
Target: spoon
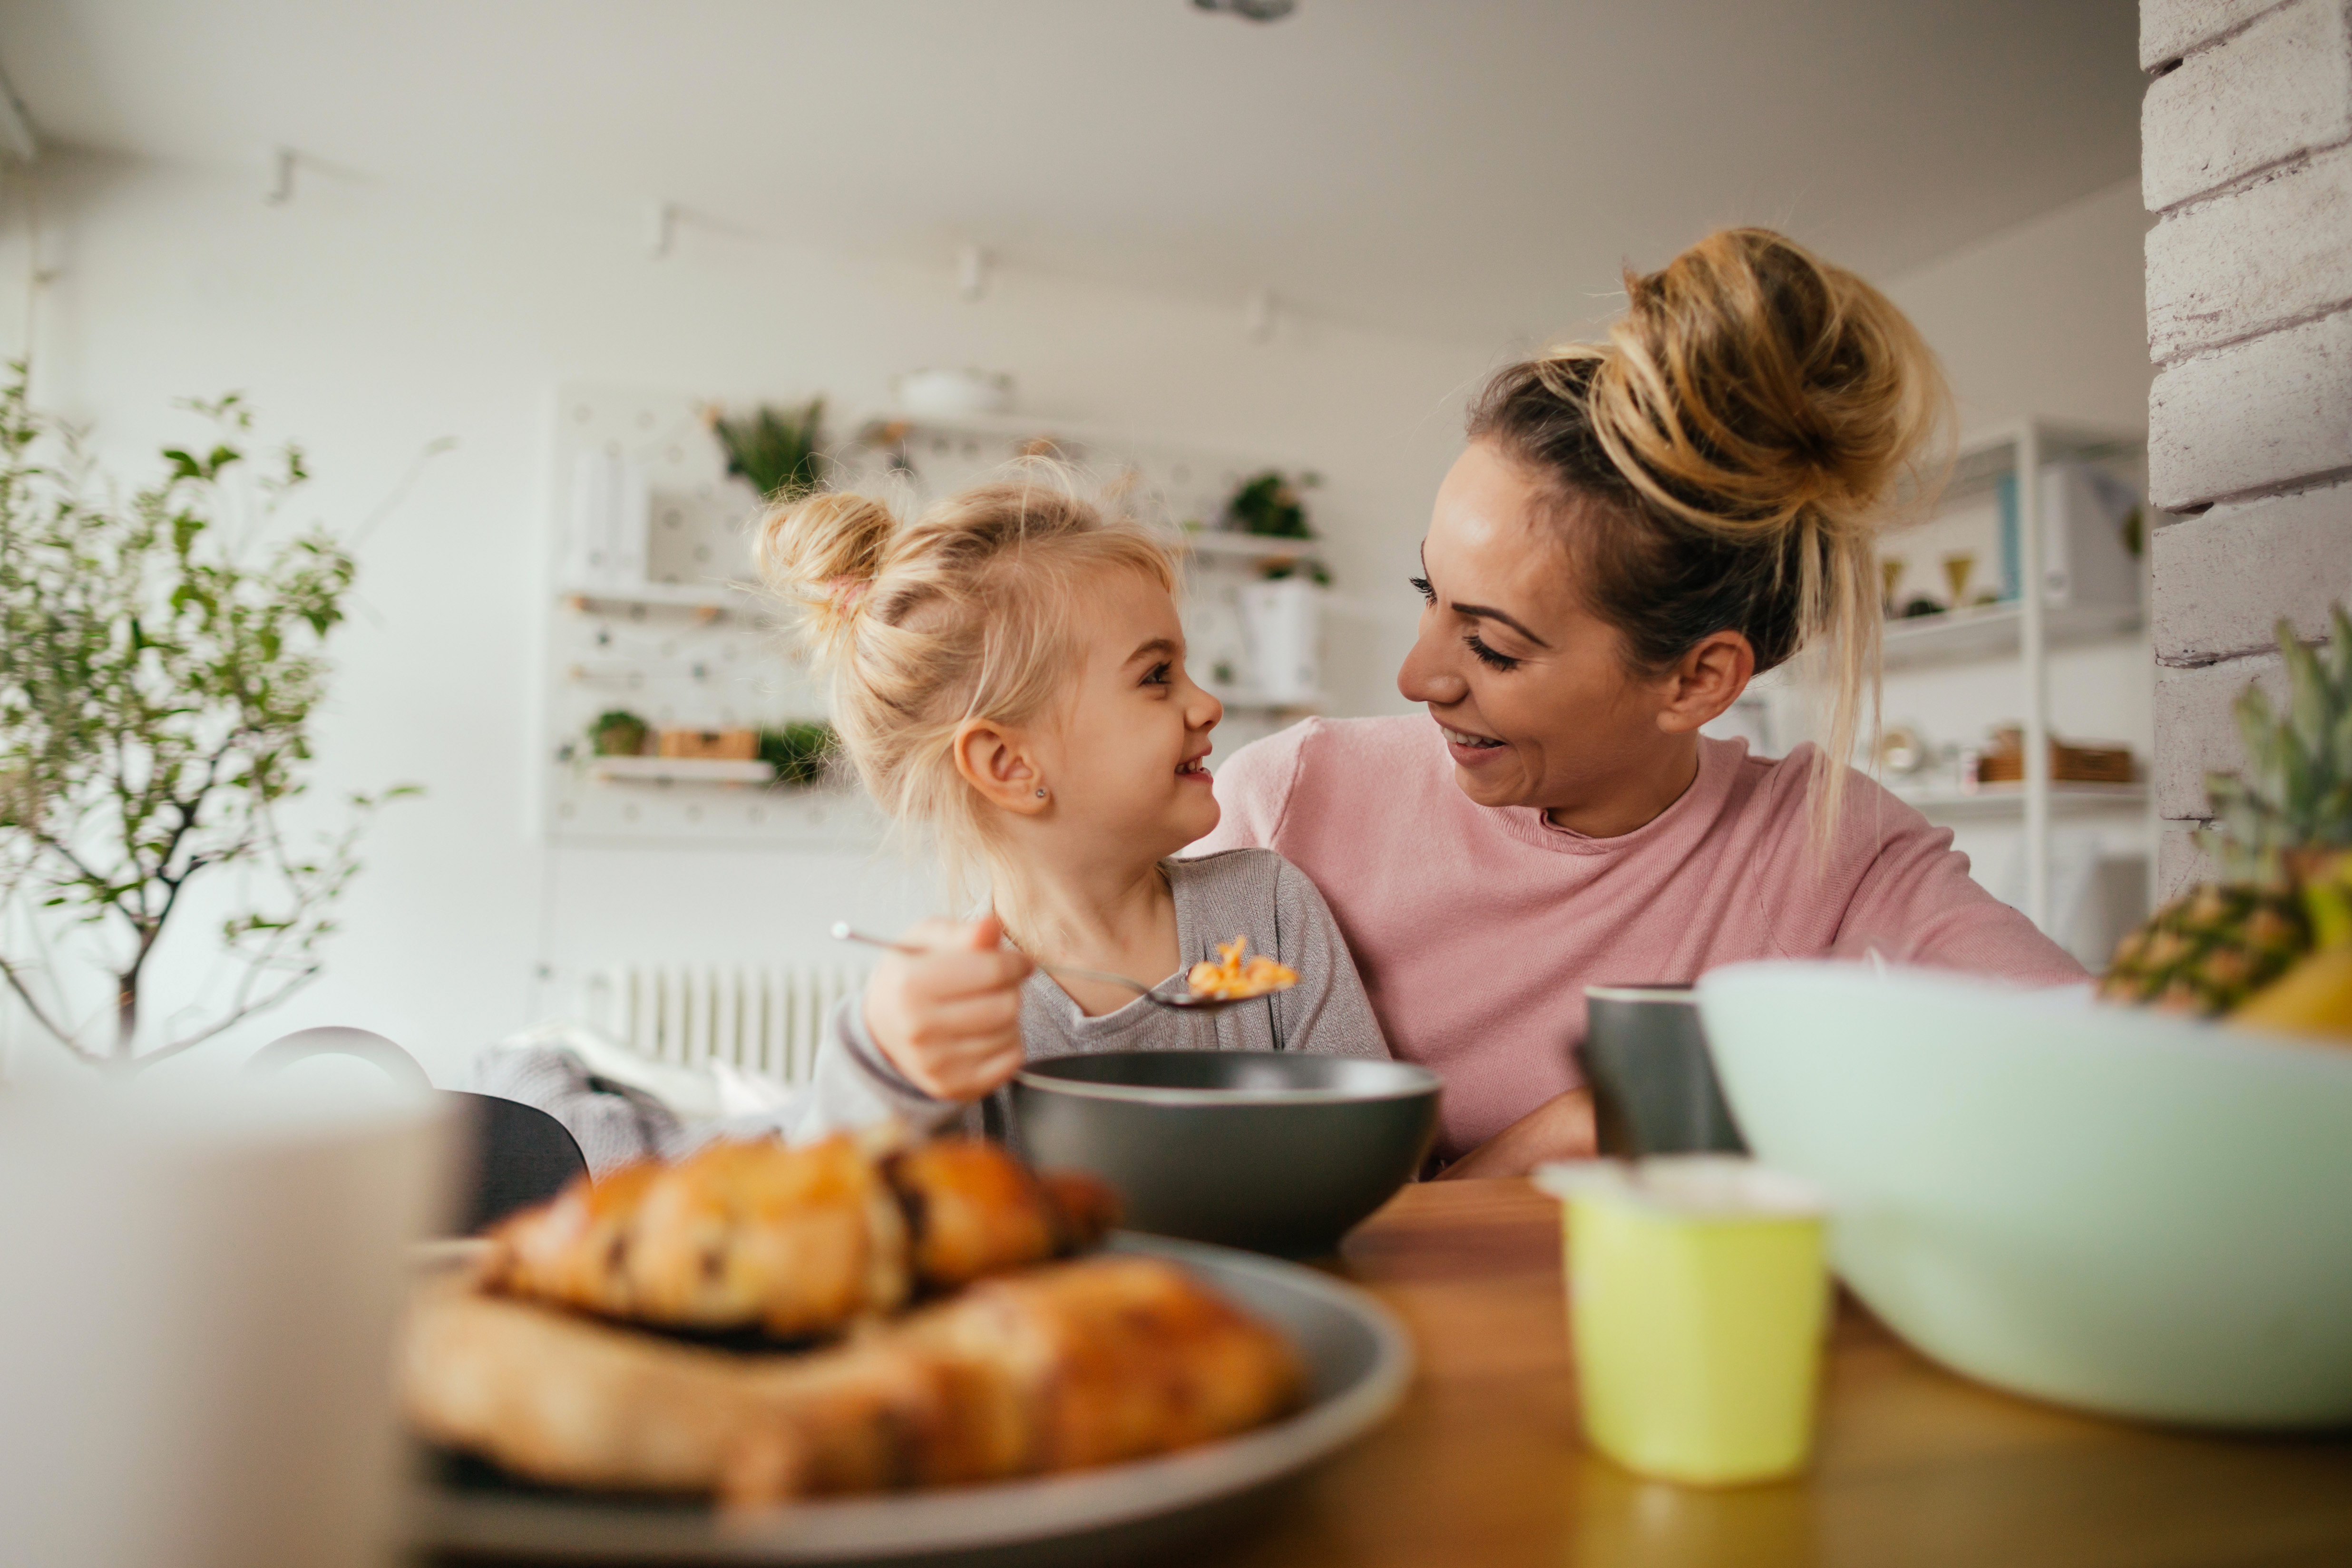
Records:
x=1188, y=1002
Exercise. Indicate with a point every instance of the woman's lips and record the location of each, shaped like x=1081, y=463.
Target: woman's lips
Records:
x=1471, y=750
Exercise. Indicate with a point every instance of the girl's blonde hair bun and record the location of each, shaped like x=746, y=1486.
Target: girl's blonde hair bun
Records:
x=821, y=554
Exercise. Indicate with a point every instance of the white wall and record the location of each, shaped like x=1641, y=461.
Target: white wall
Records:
x=2046, y=318
x=368, y=321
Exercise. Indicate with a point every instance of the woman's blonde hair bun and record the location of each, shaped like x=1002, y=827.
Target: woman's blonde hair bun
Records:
x=1750, y=382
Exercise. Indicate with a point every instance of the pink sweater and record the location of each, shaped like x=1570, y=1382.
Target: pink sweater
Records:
x=1477, y=928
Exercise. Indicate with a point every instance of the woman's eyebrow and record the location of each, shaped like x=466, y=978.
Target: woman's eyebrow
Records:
x=1480, y=610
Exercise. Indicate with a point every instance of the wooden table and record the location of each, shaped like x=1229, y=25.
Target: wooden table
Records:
x=1484, y=1465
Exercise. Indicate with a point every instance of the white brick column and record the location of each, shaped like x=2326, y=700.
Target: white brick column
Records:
x=2246, y=158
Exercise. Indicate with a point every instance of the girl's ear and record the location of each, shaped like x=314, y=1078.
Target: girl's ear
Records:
x=1705, y=681
x=997, y=764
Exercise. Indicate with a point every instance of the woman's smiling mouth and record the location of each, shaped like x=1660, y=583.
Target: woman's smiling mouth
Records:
x=1470, y=751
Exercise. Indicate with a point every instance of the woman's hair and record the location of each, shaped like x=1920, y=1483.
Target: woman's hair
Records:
x=1725, y=461
x=968, y=613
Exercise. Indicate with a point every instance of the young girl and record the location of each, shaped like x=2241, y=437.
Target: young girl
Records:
x=1008, y=677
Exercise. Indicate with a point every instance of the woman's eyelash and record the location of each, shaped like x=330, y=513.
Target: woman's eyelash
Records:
x=1487, y=656
x=1421, y=585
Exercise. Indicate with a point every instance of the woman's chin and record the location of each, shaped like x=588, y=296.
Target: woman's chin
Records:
x=1488, y=785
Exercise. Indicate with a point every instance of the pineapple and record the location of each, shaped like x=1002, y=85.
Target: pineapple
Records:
x=2279, y=825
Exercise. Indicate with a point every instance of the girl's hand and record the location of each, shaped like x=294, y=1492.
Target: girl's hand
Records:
x=951, y=1020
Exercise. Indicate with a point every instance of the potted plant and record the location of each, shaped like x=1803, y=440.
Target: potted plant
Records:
x=617, y=731
x=160, y=659
x=799, y=750
x=777, y=451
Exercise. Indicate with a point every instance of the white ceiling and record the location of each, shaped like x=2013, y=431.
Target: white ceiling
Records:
x=1471, y=168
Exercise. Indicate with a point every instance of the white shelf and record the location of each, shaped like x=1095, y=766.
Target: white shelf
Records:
x=1249, y=547
x=2009, y=800
x=678, y=770
x=1024, y=427
x=712, y=597
x=1995, y=631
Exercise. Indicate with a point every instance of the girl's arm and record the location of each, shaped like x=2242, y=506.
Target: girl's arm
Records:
x=854, y=1086
x=930, y=1034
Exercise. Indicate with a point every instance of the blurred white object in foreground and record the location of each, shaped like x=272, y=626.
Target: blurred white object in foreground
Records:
x=2098, y=1206
x=196, y=1336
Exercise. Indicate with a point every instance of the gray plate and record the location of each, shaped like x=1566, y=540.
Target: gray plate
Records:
x=1358, y=1361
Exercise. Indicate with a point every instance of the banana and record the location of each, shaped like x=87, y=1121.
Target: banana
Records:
x=2313, y=998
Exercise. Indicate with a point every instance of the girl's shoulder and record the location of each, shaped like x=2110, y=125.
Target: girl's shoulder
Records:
x=1241, y=889
x=1226, y=876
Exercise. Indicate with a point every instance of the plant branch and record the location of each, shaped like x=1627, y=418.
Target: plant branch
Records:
x=40, y=1014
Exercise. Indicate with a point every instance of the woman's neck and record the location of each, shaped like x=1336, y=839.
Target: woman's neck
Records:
x=1118, y=918
x=1637, y=799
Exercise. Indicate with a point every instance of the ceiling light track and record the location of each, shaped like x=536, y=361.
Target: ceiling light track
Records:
x=1250, y=10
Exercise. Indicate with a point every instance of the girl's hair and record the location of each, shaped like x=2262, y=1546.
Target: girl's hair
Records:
x=1725, y=461
x=968, y=613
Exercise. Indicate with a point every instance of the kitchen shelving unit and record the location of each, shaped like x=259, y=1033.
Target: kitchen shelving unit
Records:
x=2025, y=629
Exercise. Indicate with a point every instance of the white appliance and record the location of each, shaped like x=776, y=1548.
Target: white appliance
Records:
x=2093, y=525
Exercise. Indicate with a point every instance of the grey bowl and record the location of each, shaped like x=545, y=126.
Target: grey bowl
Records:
x=1274, y=1151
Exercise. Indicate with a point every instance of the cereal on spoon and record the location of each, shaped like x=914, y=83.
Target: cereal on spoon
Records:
x=1234, y=979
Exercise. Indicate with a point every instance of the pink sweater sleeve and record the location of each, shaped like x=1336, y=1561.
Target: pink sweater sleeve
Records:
x=1913, y=901
x=1254, y=790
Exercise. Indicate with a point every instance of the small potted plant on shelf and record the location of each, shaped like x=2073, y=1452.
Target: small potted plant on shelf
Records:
x=617, y=731
x=777, y=451
x=799, y=750
x=1268, y=506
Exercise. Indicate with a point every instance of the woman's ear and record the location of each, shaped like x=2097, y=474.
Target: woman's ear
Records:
x=997, y=764
x=1705, y=681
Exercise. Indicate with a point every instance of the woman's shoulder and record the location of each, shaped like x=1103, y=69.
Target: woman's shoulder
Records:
x=1781, y=793
x=1327, y=757
x=1324, y=742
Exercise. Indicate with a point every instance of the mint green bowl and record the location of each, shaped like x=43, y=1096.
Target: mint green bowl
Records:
x=2111, y=1210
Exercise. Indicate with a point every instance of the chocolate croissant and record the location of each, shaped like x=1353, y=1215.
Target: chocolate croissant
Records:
x=1052, y=1369
x=792, y=1242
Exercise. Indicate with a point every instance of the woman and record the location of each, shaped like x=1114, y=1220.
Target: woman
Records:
x=1634, y=531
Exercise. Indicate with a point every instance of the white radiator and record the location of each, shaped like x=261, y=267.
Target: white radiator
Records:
x=764, y=1020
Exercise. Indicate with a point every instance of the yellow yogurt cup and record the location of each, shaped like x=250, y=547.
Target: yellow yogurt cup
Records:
x=1697, y=1299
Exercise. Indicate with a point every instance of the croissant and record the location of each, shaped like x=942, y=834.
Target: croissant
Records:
x=1054, y=1369
x=793, y=1242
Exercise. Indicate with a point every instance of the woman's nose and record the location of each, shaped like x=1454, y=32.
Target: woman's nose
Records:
x=1423, y=677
